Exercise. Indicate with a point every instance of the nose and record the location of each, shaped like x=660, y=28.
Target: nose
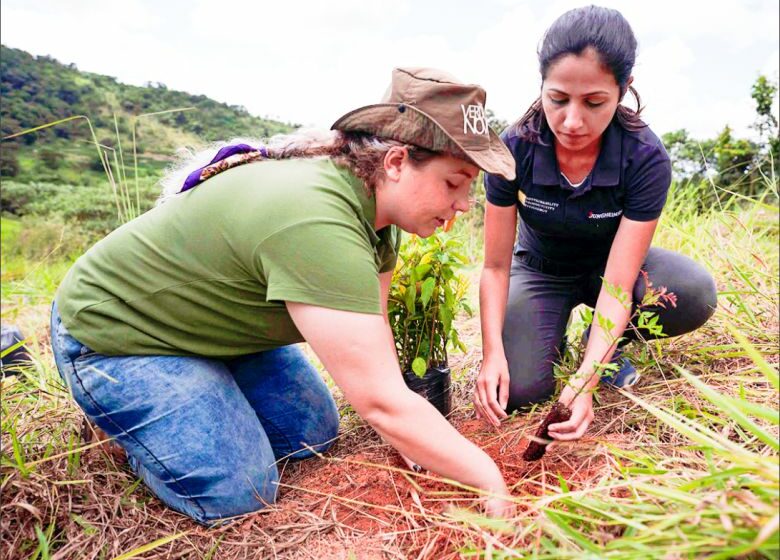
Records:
x=573, y=120
x=462, y=203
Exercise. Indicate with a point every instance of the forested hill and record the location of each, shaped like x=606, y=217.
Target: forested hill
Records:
x=38, y=89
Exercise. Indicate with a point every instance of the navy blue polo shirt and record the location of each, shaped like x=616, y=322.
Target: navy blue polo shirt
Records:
x=576, y=225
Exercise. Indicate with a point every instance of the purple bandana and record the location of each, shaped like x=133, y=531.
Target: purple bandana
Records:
x=227, y=157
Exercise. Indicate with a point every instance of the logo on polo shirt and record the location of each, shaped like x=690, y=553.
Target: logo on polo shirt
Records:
x=474, y=120
x=603, y=215
x=537, y=204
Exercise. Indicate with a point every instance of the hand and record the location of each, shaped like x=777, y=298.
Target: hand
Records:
x=581, y=415
x=492, y=382
x=500, y=507
x=500, y=503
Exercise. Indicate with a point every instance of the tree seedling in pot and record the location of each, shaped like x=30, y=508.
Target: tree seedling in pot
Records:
x=426, y=294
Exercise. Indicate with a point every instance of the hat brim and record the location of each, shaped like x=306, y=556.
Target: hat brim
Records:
x=386, y=121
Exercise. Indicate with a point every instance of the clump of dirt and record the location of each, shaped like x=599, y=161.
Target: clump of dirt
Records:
x=538, y=446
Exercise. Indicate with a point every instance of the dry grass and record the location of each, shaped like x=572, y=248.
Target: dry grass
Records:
x=63, y=500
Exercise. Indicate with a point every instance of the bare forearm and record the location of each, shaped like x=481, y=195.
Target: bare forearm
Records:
x=417, y=430
x=363, y=363
x=493, y=290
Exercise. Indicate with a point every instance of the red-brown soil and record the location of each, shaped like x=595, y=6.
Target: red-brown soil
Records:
x=373, y=495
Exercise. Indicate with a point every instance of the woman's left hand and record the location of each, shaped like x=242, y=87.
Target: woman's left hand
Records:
x=581, y=415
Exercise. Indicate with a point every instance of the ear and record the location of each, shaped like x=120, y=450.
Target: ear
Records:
x=395, y=159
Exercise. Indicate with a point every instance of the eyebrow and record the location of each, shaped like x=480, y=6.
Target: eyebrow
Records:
x=598, y=92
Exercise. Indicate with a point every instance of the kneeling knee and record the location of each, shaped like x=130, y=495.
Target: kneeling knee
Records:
x=319, y=433
x=237, y=493
x=702, y=301
x=524, y=395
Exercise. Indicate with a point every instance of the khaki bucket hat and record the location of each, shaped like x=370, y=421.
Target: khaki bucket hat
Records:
x=433, y=110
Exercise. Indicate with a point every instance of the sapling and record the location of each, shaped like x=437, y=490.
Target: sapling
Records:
x=426, y=294
x=645, y=319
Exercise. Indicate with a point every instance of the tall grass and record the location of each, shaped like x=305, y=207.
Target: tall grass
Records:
x=693, y=473
x=128, y=203
x=705, y=482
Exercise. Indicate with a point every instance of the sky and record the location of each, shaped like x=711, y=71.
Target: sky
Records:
x=308, y=61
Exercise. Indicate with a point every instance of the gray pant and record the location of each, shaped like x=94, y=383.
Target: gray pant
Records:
x=539, y=305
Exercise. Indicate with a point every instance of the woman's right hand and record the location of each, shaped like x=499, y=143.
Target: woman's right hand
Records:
x=491, y=391
x=500, y=507
x=499, y=503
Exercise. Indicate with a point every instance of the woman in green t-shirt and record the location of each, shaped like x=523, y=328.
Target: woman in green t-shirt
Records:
x=175, y=332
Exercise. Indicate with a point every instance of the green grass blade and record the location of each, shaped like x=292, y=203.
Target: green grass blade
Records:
x=43, y=543
x=696, y=432
x=150, y=546
x=670, y=494
x=763, y=366
x=18, y=453
x=10, y=349
x=572, y=533
x=730, y=406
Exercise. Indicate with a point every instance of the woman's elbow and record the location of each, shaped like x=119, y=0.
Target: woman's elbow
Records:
x=382, y=411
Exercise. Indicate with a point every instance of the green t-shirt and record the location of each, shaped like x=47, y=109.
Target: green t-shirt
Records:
x=207, y=272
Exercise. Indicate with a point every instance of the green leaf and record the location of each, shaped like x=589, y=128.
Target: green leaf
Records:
x=427, y=291
x=18, y=453
x=449, y=297
x=586, y=314
x=460, y=257
x=445, y=315
x=421, y=270
x=409, y=297
x=732, y=408
x=419, y=367
x=617, y=292
x=89, y=529
x=572, y=533
x=605, y=323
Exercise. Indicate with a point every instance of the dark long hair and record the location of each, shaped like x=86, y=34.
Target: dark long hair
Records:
x=609, y=34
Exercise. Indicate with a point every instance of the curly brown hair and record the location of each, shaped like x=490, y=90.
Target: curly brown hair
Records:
x=362, y=154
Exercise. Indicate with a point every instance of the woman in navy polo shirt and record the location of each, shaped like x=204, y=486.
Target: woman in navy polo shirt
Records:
x=591, y=182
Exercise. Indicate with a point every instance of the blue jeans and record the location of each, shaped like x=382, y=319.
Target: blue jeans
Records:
x=204, y=435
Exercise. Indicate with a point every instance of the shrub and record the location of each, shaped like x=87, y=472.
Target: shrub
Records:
x=46, y=238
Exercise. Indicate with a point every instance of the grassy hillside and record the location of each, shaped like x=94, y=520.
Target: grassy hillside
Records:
x=40, y=90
